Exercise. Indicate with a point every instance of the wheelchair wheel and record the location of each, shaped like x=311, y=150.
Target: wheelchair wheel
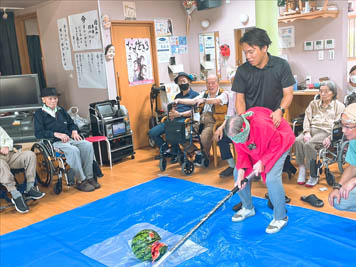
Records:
x=205, y=162
x=162, y=164
x=187, y=167
x=342, y=155
x=44, y=172
x=58, y=187
x=163, y=149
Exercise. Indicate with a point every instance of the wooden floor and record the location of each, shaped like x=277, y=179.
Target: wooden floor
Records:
x=144, y=168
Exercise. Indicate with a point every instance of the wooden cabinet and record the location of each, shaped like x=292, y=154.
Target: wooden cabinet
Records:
x=301, y=100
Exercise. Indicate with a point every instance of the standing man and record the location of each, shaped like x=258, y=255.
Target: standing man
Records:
x=343, y=195
x=212, y=96
x=12, y=159
x=180, y=113
x=263, y=80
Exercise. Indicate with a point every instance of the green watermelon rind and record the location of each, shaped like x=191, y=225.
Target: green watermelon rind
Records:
x=141, y=244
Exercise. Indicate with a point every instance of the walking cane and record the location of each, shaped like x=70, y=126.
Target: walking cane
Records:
x=206, y=217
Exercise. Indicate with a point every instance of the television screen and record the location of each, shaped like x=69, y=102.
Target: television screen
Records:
x=19, y=93
x=119, y=128
x=105, y=110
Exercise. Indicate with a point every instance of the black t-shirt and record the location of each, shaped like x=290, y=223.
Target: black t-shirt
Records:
x=263, y=87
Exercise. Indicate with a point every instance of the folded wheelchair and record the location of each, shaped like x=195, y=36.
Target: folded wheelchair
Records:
x=180, y=138
x=335, y=153
x=50, y=163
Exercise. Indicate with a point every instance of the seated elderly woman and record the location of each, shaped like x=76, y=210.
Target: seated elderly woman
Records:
x=318, y=122
x=54, y=123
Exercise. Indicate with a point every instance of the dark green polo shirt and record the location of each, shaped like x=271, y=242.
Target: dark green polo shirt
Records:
x=263, y=87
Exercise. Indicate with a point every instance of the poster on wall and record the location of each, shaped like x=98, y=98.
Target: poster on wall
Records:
x=138, y=59
x=163, y=49
x=90, y=70
x=66, y=52
x=178, y=45
x=163, y=27
x=286, y=37
x=129, y=10
x=84, y=31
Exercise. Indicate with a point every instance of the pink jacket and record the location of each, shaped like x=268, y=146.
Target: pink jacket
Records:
x=266, y=142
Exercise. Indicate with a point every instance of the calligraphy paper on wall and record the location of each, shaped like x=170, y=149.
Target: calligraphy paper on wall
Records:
x=85, y=31
x=90, y=70
x=66, y=52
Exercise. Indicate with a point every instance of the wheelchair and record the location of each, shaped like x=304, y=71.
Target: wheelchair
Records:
x=182, y=135
x=336, y=153
x=50, y=163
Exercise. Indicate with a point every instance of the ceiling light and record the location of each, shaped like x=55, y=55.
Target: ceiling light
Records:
x=4, y=16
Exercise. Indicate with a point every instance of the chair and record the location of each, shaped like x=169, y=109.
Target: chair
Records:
x=98, y=139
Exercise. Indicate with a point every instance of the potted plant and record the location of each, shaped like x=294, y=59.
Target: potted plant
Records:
x=282, y=6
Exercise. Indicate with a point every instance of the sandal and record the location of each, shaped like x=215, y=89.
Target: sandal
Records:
x=313, y=200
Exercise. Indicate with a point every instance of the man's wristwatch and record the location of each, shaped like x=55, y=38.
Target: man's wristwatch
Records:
x=337, y=186
x=282, y=109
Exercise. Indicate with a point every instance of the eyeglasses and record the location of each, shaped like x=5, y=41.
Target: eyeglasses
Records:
x=348, y=127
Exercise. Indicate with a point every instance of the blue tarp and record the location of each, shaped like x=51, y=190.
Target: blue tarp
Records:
x=311, y=238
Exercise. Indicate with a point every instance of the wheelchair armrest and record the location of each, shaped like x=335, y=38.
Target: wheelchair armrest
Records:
x=17, y=147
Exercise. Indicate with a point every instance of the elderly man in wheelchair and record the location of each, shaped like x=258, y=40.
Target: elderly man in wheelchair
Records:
x=10, y=160
x=319, y=119
x=54, y=123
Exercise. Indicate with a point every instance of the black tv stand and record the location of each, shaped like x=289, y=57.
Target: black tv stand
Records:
x=19, y=126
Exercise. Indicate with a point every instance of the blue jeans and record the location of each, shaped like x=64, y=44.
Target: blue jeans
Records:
x=275, y=189
x=79, y=156
x=347, y=204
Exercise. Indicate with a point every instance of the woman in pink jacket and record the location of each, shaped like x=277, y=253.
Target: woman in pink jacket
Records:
x=261, y=148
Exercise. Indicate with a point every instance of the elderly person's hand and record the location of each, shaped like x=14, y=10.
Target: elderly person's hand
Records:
x=240, y=178
x=64, y=138
x=176, y=101
x=327, y=141
x=200, y=101
x=258, y=167
x=4, y=150
x=307, y=137
x=219, y=133
x=76, y=136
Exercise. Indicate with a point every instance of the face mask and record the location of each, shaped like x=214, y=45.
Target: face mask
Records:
x=184, y=86
x=242, y=136
x=353, y=78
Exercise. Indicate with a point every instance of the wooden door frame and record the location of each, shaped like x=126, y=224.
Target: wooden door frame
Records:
x=238, y=47
x=22, y=42
x=151, y=26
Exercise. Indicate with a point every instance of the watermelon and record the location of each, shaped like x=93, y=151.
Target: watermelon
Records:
x=145, y=245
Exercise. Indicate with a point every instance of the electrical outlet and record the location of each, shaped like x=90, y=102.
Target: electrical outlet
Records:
x=308, y=79
x=321, y=55
x=331, y=54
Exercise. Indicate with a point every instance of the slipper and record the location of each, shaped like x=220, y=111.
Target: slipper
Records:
x=313, y=200
x=287, y=199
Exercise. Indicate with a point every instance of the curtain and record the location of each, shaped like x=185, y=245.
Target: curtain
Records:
x=35, y=55
x=9, y=54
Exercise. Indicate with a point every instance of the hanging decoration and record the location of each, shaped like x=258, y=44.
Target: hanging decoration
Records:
x=225, y=52
x=190, y=6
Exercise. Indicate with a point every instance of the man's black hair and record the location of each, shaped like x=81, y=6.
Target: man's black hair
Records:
x=352, y=69
x=256, y=37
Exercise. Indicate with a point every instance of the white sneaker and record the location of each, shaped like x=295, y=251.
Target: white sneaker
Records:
x=242, y=214
x=312, y=181
x=276, y=225
x=301, y=175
